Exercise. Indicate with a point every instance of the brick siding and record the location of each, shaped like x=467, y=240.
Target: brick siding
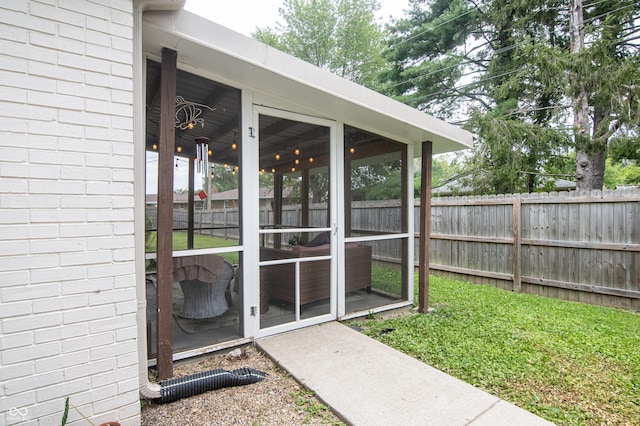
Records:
x=67, y=279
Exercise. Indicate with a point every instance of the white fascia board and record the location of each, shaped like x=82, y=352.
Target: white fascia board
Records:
x=246, y=63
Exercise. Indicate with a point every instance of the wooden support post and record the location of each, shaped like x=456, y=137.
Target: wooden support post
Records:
x=405, y=209
x=425, y=228
x=191, y=210
x=347, y=197
x=277, y=208
x=164, y=258
x=517, y=246
x=304, y=199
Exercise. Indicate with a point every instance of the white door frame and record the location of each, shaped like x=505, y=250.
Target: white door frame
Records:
x=252, y=230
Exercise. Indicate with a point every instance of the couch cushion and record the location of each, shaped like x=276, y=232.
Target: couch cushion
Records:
x=315, y=248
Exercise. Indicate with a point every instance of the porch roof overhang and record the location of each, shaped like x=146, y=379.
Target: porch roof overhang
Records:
x=246, y=63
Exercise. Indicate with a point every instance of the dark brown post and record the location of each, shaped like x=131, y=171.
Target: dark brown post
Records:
x=425, y=228
x=165, y=214
x=347, y=196
x=304, y=198
x=191, y=208
x=405, y=209
x=277, y=208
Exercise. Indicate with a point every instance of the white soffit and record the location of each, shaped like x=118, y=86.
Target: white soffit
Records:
x=247, y=63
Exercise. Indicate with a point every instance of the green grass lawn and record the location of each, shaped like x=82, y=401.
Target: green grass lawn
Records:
x=570, y=363
x=199, y=242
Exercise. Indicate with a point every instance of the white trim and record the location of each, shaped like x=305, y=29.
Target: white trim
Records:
x=377, y=310
x=410, y=225
x=245, y=62
x=378, y=237
x=250, y=215
x=146, y=388
x=292, y=230
x=177, y=356
x=340, y=221
x=298, y=322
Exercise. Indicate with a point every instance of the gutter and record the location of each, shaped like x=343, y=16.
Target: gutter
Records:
x=147, y=389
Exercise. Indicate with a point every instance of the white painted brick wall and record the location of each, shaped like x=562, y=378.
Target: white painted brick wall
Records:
x=67, y=284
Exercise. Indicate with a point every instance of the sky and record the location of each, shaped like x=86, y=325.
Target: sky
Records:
x=244, y=16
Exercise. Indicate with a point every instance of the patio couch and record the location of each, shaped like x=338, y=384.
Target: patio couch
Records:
x=314, y=276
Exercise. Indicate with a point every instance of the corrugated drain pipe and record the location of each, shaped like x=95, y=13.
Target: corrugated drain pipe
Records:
x=194, y=384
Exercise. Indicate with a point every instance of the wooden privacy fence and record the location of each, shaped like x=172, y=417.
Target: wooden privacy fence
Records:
x=575, y=246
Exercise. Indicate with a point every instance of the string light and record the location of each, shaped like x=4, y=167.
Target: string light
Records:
x=296, y=151
x=277, y=155
x=154, y=146
x=352, y=150
x=311, y=159
x=179, y=148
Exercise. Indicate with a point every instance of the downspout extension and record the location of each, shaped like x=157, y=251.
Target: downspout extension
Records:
x=147, y=389
x=182, y=387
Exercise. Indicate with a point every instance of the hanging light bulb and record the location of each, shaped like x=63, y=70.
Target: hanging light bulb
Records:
x=210, y=152
x=293, y=169
x=296, y=151
x=234, y=145
x=273, y=170
x=154, y=146
x=297, y=161
x=311, y=159
x=352, y=150
x=277, y=155
x=179, y=148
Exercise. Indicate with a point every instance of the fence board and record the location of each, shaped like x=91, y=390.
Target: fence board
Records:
x=575, y=246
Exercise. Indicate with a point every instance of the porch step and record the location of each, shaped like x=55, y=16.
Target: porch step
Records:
x=368, y=383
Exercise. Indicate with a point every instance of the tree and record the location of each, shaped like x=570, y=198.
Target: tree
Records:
x=509, y=65
x=341, y=36
x=606, y=77
x=223, y=177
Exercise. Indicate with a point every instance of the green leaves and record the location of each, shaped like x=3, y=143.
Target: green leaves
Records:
x=341, y=36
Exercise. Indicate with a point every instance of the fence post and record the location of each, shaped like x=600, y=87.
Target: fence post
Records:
x=517, y=281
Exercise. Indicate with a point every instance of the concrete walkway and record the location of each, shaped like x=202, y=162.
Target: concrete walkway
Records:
x=368, y=383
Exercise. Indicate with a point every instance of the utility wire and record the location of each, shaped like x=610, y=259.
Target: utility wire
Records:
x=499, y=51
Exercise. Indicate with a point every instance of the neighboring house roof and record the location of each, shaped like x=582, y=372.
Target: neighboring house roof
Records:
x=233, y=194
x=183, y=197
x=178, y=198
x=246, y=62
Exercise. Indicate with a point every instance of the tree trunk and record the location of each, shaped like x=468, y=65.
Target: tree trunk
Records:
x=589, y=155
